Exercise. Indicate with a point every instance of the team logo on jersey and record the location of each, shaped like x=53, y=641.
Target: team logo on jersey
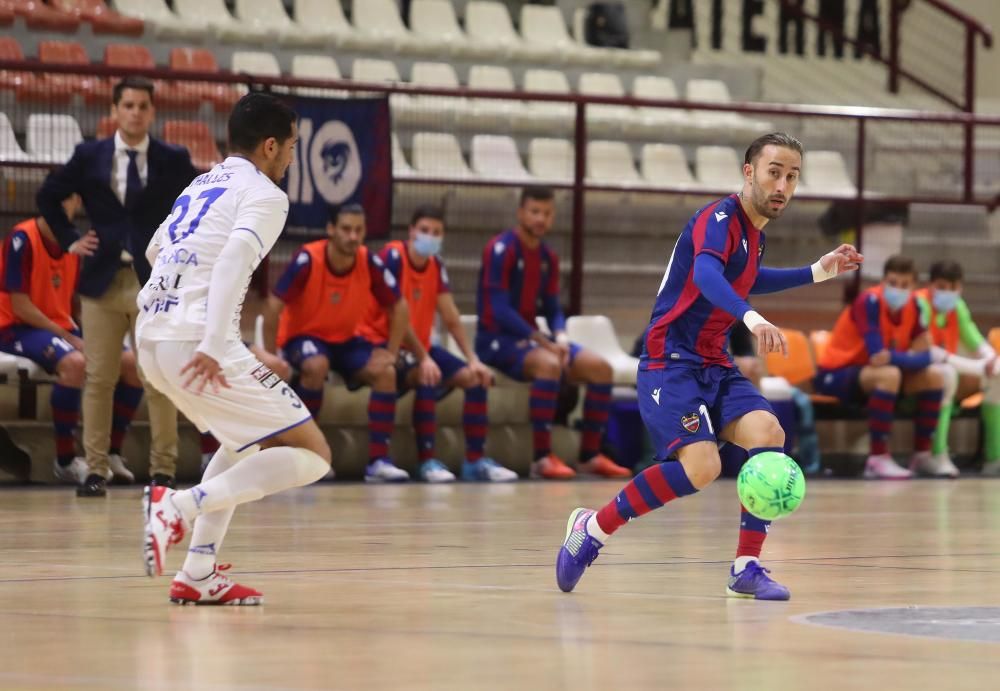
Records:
x=720, y=216
x=416, y=294
x=335, y=162
x=760, y=250
x=691, y=422
x=56, y=281
x=745, y=246
x=17, y=241
x=335, y=298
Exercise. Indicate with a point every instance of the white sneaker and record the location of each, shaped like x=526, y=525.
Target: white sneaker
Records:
x=383, y=470
x=73, y=474
x=434, y=471
x=936, y=465
x=164, y=527
x=119, y=470
x=487, y=470
x=882, y=466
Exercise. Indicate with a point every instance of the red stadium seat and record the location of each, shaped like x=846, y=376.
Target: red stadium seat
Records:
x=10, y=49
x=61, y=87
x=6, y=13
x=106, y=127
x=103, y=20
x=38, y=15
x=222, y=96
x=166, y=93
x=198, y=140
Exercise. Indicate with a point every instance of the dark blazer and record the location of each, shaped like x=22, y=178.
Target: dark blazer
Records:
x=88, y=173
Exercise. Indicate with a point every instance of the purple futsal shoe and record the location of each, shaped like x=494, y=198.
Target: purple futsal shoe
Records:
x=578, y=551
x=753, y=582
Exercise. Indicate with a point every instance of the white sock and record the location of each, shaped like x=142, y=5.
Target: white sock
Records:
x=742, y=562
x=210, y=528
x=594, y=529
x=260, y=474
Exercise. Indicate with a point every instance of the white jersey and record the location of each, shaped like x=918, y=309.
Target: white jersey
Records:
x=234, y=199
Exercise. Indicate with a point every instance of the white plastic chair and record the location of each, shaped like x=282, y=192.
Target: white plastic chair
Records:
x=488, y=24
x=159, y=18
x=544, y=25
x=374, y=70
x=328, y=16
x=379, y=19
x=214, y=15
x=597, y=333
x=825, y=172
x=10, y=150
x=718, y=168
x=496, y=156
x=663, y=88
x=491, y=110
x=551, y=159
x=52, y=138
x=316, y=67
x=549, y=82
x=435, y=21
x=606, y=84
x=270, y=16
x=664, y=165
x=611, y=163
x=438, y=154
x=400, y=167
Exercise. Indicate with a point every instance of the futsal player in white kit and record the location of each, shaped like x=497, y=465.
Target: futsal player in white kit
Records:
x=189, y=347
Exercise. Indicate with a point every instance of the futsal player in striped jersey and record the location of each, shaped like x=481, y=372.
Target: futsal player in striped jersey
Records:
x=690, y=395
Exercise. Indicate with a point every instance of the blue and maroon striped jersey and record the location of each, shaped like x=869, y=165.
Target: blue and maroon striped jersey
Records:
x=685, y=327
x=515, y=285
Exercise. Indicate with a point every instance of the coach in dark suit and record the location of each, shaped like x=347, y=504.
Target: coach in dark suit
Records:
x=128, y=183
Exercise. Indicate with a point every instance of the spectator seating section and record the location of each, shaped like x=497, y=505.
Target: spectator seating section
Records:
x=379, y=21
x=38, y=15
x=270, y=15
x=166, y=94
x=10, y=150
x=60, y=88
x=10, y=49
x=496, y=156
x=221, y=96
x=221, y=24
x=551, y=160
x=316, y=67
x=718, y=168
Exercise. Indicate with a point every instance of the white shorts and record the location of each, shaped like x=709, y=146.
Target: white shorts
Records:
x=257, y=405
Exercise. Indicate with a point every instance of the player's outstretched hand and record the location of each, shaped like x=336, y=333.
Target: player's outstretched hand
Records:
x=87, y=245
x=770, y=339
x=428, y=373
x=844, y=258
x=482, y=373
x=203, y=370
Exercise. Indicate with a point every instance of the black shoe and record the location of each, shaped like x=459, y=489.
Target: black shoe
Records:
x=93, y=486
x=162, y=480
x=14, y=459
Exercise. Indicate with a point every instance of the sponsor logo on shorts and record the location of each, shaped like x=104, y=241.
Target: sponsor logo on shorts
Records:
x=265, y=376
x=691, y=422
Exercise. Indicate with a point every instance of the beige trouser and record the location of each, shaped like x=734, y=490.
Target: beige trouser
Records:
x=106, y=320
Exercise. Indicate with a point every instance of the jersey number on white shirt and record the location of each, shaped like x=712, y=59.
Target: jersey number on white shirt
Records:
x=210, y=196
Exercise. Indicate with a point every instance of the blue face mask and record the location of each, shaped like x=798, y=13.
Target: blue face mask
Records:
x=427, y=245
x=944, y=301
x=896, y=297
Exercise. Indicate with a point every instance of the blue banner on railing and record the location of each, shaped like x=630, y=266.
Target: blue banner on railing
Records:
x=344, y=156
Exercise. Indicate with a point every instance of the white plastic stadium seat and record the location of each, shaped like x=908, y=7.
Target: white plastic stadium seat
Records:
x=257, y=63
x=430, y=109
x=158, y=17
x=634, y=58
x=549, y=82
x=597, y=333
x=374, y=71
x=214, y=15
x=270, y=15
x=665, y=165
x=716, y=91
x=328, y=15
x=719, y=168
x=315, y=67
x=825, y=172
x=10, y=150
x=491, y=110
x=488, y=24
x=544, y=25
x=606, y=116
x=551, y=159
x=663, y=88
x=435, y=21
x=438, y=154
x=496, y=156
x=380, y=20
x=400, y=167
x=52, y=138
x=611, y=163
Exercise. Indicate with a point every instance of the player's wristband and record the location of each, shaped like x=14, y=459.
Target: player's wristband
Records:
x=753, y=319
x=820, y=274
x=562, y=338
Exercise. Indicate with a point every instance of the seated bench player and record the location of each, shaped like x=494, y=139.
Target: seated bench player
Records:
x=878, y=349
x=322, y=298
x=423, y=280
x=518, y=279
x=36, y=322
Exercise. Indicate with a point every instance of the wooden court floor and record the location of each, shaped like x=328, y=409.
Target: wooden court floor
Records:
x=419, y=587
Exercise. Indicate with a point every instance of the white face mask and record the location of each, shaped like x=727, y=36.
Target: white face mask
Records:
x=896, y=297
x=427, y=245
x=944, y=301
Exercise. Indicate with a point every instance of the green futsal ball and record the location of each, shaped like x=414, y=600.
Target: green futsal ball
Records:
x=771, y=485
